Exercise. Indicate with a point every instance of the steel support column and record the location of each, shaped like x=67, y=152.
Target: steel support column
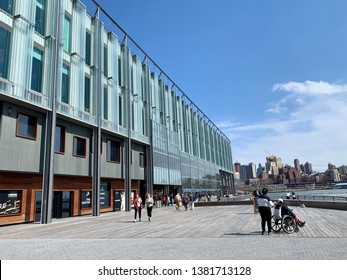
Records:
x=97, y=130
x=51, y=117
x=127, y=140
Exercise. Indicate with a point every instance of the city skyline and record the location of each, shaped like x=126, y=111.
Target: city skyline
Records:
x=291, y=164
x=275, y=71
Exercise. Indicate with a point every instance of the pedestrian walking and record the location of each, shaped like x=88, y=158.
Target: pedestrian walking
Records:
x=168, y=200
x=265, y=204
x=137, y=207
x=185, y=201
x=256, y=194
x=192, y=201
x=122, y=203
x=149, y=206
x=178, y=201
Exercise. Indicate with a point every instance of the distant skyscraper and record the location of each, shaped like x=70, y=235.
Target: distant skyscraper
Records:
x=243, y=172
x=302, y=168
x=251, y=171
x=273, y=164
x=237, y=167
x=260, y=169
x=343, y=170
x=248, y=171
x=308, y=168
x=297, y=165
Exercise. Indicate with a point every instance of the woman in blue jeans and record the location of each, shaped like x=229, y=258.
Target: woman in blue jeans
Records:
x=137, y=207
x=265, y=204
x=149, y=206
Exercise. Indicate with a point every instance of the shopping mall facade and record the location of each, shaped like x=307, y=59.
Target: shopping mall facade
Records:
x=86, y=115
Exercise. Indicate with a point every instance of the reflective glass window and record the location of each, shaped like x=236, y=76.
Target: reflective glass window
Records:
x=65, y=93
x=59, y=141
x=88, y=48
x=37, y=68
x=105, y=62
x=67, y=34
x=7, y=6
x=40, y=15
x=79, y=147
x=105, y=103
x=113, y=151
x=26, y=126
x=4, y=52
x=87, y=95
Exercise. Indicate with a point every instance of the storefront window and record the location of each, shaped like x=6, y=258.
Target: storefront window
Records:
x=104, y=195
x=10, y=202
x=86, y=201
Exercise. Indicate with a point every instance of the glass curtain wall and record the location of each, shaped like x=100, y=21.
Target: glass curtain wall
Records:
x=40, y=16
x=37, y=70
x=7, y=6
x=5, y=37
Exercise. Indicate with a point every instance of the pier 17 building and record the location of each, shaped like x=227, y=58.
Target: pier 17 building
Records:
x=88, y=119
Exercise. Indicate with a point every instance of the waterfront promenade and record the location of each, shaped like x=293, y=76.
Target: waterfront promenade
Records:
x=216, y=232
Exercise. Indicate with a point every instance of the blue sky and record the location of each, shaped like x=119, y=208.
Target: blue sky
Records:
x=271, y=74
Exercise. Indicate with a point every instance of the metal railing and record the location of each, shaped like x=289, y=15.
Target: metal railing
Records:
x=321, y=198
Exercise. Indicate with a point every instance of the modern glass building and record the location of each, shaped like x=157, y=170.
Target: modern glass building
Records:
x=86, y=114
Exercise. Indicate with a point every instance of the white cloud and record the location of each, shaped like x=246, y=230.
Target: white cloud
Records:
x=311, y=88
x=277, y=108
x=312, y=130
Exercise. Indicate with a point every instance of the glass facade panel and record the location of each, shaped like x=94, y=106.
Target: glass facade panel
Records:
x=120, y=110
x=132, y=116
x=119, y=72
x=88, y=48
x=67, y=34
x=59, y=142
x=142, y=160
x=79, y=147
x=26, y=126
x=40, y=16
x=4, y=52
x=7, y=6
x=65, y=87
x=105, y=62
x=105, y=103
x=37, y=68
x=87, y=95
x=113, y=151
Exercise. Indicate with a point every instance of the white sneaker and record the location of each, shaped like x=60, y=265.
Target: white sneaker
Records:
x=134, y=221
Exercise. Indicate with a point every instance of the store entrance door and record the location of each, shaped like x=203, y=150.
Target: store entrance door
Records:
x=61, y=204
x=61, y=207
